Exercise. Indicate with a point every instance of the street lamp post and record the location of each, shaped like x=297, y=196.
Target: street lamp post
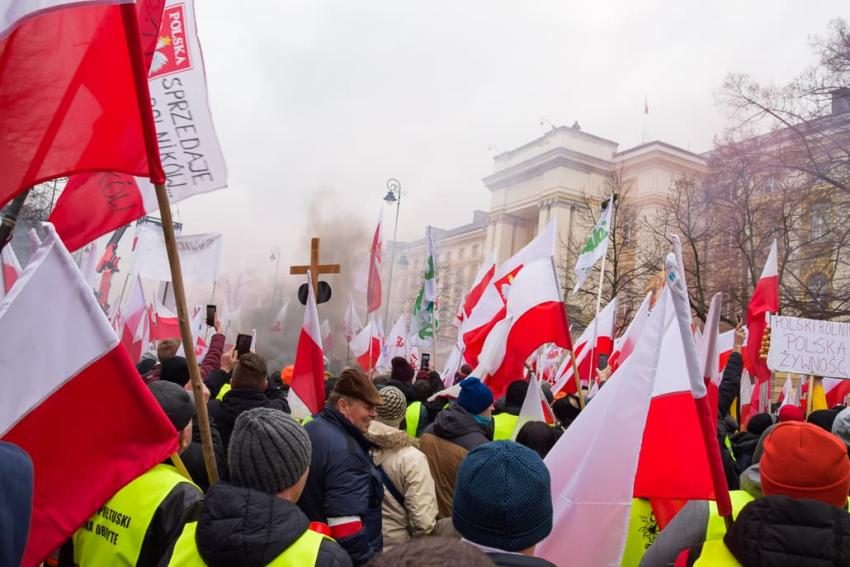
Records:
x=393, y=196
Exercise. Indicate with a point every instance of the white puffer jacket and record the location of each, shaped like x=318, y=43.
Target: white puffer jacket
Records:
x=407, y=468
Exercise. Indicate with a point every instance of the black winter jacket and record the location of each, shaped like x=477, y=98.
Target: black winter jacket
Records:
x=730, y=385
x=193, y=456
x=226, y=411
x=241, y=527
x=343, y=482
x=457, y=425
x=778, y=531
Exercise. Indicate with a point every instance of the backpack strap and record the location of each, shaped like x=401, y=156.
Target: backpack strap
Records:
x=390, y=486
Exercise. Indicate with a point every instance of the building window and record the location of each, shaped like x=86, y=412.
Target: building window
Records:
x=818, y=288
x=819, y=221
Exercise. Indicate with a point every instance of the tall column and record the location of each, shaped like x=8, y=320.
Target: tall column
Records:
x=561, y=210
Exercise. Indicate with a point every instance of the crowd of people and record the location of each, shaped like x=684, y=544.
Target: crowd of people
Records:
x=394, y=471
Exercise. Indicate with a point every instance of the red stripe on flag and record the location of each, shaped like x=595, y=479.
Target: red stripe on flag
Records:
x=673, y=459
x=88, y=439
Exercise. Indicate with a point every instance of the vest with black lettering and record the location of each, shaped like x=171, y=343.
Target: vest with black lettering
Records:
x=504, y=425
x=114, y=535
x=304, y=551
x=412, y=419
x=642, y=531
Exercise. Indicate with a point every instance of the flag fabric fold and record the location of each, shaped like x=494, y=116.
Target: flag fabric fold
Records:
x=57, y=414
x=374, y=292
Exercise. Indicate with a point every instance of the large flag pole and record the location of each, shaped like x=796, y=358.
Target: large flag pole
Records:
x=131, y=27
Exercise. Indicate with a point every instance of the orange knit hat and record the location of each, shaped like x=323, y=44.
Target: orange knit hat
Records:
x=286, y=375
x=801, y=460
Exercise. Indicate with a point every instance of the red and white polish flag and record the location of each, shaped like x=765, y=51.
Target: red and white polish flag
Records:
x=584, y=351
x=308, y=376
x=366, y=346
x=134, y=311
x=82, y=402
x=534, y=407
x=534, y=316
x=489, y=308
x=77, y=59
x=765, y=299
x=10, y=269
x=648, y=423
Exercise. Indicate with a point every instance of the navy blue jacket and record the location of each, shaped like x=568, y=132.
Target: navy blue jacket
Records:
x=344, y=482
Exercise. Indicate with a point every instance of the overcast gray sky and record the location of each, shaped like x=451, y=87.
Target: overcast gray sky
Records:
x=327, y=99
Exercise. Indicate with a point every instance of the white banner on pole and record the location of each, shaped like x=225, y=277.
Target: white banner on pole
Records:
x=199, y=255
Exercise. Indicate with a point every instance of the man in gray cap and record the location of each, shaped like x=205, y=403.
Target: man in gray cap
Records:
x=143, y=519
x=254, y=519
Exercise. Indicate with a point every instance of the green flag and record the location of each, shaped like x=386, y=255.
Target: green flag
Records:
x=424, y=318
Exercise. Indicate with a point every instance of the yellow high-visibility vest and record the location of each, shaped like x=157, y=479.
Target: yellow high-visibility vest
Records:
x=305, y=550
x=716, y=554
x=114, y=535
x=224, y=389
x=504, y=425
x=411, y=418
x=641, y=533
x=716, y=527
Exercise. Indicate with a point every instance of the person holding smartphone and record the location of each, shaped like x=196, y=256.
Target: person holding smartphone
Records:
x=173, y=368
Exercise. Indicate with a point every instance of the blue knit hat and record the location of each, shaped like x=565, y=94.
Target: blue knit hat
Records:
x=503, y=497
x=474, y=396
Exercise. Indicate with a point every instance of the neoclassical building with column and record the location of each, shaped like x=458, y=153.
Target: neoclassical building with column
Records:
x=549, y=178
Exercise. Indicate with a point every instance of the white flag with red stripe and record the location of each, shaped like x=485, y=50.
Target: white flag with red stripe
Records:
x=765, y=299
x=57, y=413
x=534, y=315
x=490, y=307
x=366, y=346
x=585, y=353
x=132, y=314
x=534, y=407
x=397, y=344
x=640, y=437
x=786, y=398
x=308, y=376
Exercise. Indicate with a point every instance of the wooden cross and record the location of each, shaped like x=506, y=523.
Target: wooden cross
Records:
x=314, y=268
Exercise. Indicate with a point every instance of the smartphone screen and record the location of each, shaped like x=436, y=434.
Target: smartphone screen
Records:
x=243, y=344
x=211, y=315
x=426, y=360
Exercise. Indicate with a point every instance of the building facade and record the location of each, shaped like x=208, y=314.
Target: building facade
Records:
x=553, y=178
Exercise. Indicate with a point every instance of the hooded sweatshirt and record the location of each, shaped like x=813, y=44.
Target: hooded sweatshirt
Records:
x=407, y=469
x=445, y=443
x=241, y=527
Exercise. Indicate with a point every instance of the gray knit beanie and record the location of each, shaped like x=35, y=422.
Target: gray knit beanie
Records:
x=269, y=451
x=394, y=407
